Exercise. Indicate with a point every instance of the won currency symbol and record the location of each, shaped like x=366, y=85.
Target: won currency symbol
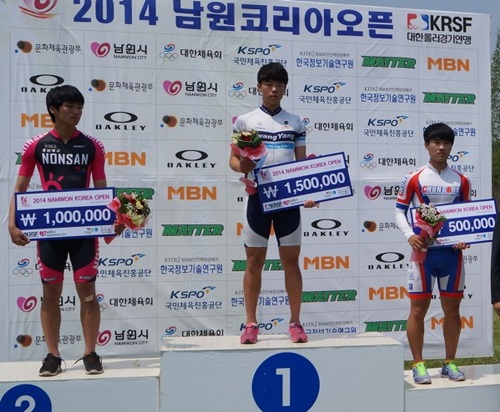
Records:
x=28, y=219
x=270, y=192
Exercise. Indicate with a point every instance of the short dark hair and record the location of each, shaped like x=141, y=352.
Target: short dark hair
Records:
x=63, y=94
x=439, y=131
x=272, y=72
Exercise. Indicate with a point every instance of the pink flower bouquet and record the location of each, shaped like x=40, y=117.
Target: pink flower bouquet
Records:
x=429, y=221
x=249, y=144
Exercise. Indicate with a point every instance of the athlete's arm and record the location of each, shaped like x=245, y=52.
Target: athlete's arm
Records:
x=100, y=183
x=240, y=164
x=300, y=152
x=16, y=234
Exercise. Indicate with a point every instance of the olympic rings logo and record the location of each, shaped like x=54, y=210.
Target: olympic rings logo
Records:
x=368, y=165
x=169, y=56
x=237, y=94
x=100, y=300
x=22, y=272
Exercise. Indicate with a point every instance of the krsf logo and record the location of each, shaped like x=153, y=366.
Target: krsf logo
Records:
x=429, y=22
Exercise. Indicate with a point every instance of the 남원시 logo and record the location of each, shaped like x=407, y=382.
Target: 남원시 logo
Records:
x=39, y=9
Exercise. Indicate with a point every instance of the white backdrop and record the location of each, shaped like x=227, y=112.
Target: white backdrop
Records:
x=163, y=82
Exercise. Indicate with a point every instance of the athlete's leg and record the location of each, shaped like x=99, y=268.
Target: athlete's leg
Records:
x=90, y=315
x=84, y=256
x=52, y=255
x=415, y=327
x=289, y=256
x=451, y=325
x=252, y=280
x=50, y=316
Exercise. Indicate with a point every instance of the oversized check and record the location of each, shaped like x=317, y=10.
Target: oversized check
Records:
x=59, y=214
x=288, y=185
x=469, y=222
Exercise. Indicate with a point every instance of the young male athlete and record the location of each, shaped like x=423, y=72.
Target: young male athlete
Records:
x=78, y=159
x=434, y=183
x=284, y=135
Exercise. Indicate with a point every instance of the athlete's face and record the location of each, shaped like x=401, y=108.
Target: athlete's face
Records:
x=439, y=150
x=68, y=114
x=272, y=92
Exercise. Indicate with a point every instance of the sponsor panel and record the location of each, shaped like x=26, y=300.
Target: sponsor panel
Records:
x=192, y=298
x=203, y=326
x=192, y=158
x=192, y=229
x=191, y=263
x=384, y=259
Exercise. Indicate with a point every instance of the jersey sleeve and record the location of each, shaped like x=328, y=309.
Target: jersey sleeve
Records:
x=28, y=160
x=465, y=195
x=300, y=139
x=409, y=184
x=98, y=171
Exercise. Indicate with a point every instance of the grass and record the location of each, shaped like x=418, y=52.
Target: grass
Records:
x=472, y=361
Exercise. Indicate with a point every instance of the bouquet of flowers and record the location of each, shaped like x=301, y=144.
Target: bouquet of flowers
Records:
x=430, y=222
x=249, y=144
x=131, y=210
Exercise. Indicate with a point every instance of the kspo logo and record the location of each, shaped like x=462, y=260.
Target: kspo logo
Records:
x=191, y=159
x=258, y=50
x=326, y=228
x=316, y=88
x=42, y=83
x=387, y=261
x=121, y=121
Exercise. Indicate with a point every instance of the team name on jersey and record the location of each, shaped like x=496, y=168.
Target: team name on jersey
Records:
x=65, y=159
x=289, y=135
x=438, y=190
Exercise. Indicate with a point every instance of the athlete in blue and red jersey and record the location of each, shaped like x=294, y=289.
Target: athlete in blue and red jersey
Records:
x=435, y=183
x=66, y=159
x=283, y=134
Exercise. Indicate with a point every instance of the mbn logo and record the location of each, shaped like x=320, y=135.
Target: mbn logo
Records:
x=466, y=322
x=192, y=193
x=38, y=120
x=327, y=262
x=448, y=64
x=388, y=293
x=125, y=159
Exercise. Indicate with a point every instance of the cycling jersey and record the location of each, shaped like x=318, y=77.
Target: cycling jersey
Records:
x=429, y=185
x=281, y=132
x=63, y=165
x=68, y=165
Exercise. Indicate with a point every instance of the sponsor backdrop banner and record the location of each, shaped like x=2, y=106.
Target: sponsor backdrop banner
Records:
x=163, y=82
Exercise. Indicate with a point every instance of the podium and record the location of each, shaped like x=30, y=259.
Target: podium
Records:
x=345, y=374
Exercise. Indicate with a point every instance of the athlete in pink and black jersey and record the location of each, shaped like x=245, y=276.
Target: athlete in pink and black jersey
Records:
x=66, y=159
x=434, y=183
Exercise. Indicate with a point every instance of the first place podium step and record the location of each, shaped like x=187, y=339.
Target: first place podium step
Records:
x=357, y=373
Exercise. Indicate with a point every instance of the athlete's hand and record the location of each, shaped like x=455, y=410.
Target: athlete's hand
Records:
x=119, y=228
x=496, y=307
x=18, y=237
x=310, y=203
x=461, y=246
x=246, y=165
x=416, y=242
